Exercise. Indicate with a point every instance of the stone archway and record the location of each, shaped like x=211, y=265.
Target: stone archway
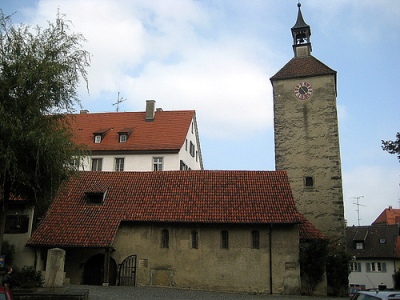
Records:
x=93, y=271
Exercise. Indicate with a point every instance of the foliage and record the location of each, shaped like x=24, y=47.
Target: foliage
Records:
x=393, y=147
x=40, y=70
x=8, y=250
x=313, y=255
x=27, y=277
x=396, y=280
x=337, y=272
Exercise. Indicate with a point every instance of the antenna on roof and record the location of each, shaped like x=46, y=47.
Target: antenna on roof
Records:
x=119, y=101
x=358, y=207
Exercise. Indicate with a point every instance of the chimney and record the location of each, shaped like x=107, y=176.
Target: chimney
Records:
x=150, y=110
x=84, y=111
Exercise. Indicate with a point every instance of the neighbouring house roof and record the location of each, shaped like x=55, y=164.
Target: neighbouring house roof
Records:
x=379, y=241
x=389, y=216
x=304, y=66
x=167, y=132
x=234, y=197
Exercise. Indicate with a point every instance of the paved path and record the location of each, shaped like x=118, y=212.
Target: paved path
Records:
x=151, y=293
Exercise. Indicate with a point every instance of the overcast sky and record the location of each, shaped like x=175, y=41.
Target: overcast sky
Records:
x=216, y=57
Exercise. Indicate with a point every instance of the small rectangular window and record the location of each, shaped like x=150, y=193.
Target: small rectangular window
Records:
x=355, y=267
x=359, y=245
x=97, y=139
x=192, y=149
x=165, y=238
x=119, y=164
x=17, y=224
x=97, y=164
x=157, y=163
x=309, y=181
x=123, y=138
x=255, y=237
x=224, y=239
x=195, y=241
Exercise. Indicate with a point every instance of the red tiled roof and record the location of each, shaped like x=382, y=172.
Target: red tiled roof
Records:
x=169, y=196
x=308, y=231
x=389, y=216
x=304, y=66
x=166, y=132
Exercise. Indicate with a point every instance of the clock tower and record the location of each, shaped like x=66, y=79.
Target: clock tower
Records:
x=306, y=134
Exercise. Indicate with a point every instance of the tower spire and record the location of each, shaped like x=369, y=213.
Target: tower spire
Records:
x=301, y=33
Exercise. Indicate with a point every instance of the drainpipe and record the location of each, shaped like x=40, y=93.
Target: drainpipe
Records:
x=270, y=259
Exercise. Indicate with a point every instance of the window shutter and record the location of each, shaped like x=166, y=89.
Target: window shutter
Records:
x=358, y=267
x=368, y=267
x=384, y=267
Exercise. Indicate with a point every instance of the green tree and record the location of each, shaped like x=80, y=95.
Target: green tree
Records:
x=313, y=256
x=40, y=71
x=393, y=147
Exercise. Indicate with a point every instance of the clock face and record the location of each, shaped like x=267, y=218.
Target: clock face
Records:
x=303, y=90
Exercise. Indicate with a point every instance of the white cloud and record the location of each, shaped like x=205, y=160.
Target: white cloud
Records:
x=170, y=51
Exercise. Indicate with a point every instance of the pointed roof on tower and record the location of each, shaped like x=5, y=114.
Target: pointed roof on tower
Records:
x=300, y=23
x=301, y=33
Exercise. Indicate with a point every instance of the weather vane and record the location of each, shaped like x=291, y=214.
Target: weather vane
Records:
x=119, y=101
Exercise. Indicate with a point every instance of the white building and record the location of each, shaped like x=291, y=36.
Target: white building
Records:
x=153, y=140
x=375, y=255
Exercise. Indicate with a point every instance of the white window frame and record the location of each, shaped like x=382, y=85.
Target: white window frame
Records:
x=355, y=266
x=158, y=163
x=119, y=164
x=97, y=138
x=123, y=138
x=359, y=245
x=97, y=159
x=376, y=267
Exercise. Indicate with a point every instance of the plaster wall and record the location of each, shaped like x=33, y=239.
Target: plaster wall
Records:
x=144, y=162
x=307, y=145
x=374, y=279
x=239, y=268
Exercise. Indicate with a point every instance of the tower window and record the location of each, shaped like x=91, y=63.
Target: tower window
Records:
x=309, y=181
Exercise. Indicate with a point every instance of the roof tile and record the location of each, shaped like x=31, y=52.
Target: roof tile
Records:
x=254, y=197
x=166, y=132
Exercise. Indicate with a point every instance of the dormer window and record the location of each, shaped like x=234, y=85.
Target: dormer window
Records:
x=99, y=135
x=359, y=245
x=123, y=138
x=95, y=197
x=97, y=139
x=124, y=134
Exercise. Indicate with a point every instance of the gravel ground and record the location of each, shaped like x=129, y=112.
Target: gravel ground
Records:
x=147, y=293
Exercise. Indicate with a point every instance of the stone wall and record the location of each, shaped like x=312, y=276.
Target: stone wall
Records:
x=307, y=145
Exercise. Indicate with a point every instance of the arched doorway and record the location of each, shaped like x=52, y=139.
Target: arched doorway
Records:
x=93, y=270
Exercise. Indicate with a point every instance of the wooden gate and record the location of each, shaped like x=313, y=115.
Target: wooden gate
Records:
x=127, y=271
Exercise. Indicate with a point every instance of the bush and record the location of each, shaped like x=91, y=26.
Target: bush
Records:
x=27, y=277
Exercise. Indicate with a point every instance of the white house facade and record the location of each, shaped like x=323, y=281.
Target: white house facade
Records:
x=154, y=140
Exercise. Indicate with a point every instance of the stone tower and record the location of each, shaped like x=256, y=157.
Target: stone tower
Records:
x=306, y=134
